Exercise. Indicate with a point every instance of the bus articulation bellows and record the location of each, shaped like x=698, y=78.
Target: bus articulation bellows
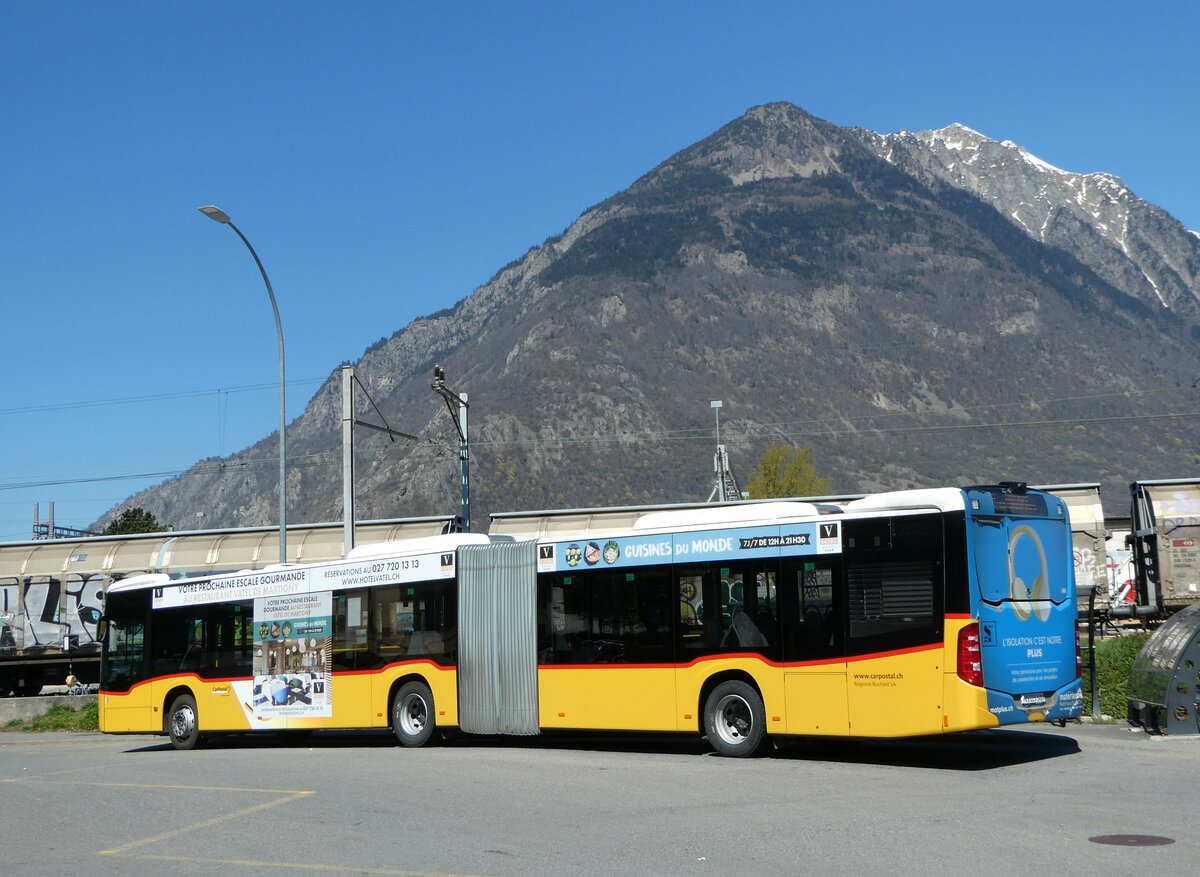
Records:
x=898, y=614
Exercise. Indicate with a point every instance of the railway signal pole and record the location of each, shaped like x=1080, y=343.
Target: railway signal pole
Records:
x=726, y=488
x=456, y=404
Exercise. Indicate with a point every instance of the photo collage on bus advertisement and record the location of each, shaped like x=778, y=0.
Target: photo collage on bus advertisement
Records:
x=293, y=636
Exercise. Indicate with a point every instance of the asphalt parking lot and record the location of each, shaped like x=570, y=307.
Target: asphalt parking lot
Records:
x=990, y=802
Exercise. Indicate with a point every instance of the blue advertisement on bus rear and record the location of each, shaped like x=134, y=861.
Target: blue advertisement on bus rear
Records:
x=1026, y=611
x=697, y=546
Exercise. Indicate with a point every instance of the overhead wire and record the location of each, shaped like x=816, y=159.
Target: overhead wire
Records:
x=155, y=397
x=432, y=450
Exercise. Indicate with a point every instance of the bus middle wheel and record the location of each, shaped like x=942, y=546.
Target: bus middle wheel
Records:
x=412, y=714
x=735, y=719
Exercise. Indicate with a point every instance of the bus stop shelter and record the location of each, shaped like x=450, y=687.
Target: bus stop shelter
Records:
x=1162, y=691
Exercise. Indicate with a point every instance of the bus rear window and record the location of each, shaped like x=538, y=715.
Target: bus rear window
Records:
x=1008, y=503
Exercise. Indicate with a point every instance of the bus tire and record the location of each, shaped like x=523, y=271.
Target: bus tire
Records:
x=412, y=714
x=734, y=719
x=183, y=723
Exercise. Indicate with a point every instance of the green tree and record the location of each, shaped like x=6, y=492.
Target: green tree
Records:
x=134, y=520
x=784, y=470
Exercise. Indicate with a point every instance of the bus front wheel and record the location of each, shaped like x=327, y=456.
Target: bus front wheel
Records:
x=735, y=719
x=183, y=724
x=412, y=714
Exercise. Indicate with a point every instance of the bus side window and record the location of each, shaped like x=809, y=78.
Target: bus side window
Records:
x=178, y=640
x=350, y=630
x=563, y=616
x=391, y=622
x=895, y=582
x=432, y=633
x=232, y=634
x=691, y=606
x=749, y=605
x=701, y=625
x=812, y=610
x=605, y=617
x=194, y=655
x=630, y=616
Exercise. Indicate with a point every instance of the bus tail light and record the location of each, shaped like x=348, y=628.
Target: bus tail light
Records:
x=970, y=657
x=1078, y=657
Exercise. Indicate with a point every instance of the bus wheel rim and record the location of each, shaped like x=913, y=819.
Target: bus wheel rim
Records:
x=183, y=722
x=734, y=719
x=413, y=714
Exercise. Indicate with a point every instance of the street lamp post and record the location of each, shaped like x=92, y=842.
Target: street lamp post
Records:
x=218, y=215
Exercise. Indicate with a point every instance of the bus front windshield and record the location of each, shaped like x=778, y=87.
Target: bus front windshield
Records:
x=122, y=661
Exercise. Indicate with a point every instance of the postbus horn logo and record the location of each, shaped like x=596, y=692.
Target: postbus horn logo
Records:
x=1028, y=599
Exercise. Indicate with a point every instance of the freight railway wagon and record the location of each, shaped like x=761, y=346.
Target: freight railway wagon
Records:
x=1165, y=520
x=52, y=590
x=899, y=614
x=1089, y=545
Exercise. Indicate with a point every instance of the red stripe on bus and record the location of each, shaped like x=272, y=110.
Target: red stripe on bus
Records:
x=702, y=659
x=816, y=662
x=913, y=650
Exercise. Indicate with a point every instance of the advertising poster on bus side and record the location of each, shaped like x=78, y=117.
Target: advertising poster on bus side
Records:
x=293, y=635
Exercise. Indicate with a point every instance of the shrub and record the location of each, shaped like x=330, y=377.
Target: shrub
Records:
x=1114, y=657
x=61, y=718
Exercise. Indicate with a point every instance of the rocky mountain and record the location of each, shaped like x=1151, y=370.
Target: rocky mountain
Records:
x=1132, y=244
x=931, y=308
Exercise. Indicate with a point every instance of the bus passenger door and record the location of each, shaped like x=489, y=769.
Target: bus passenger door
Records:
x=814, y=675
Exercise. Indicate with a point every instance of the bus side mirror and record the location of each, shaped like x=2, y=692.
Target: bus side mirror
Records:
x=102, y=629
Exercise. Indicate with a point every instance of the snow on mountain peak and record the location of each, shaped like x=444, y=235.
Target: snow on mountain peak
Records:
x=958, y=137
x=955, y=136
x=1043, y=166
x=1127, y=241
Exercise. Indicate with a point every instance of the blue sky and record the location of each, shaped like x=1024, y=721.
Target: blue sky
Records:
x=387, y=158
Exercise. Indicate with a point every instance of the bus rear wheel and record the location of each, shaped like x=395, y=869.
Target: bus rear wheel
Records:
x=735, y=719
x=412, y=714
x=183, y=723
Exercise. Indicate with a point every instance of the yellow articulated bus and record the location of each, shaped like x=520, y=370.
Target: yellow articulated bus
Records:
x=898, y=614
